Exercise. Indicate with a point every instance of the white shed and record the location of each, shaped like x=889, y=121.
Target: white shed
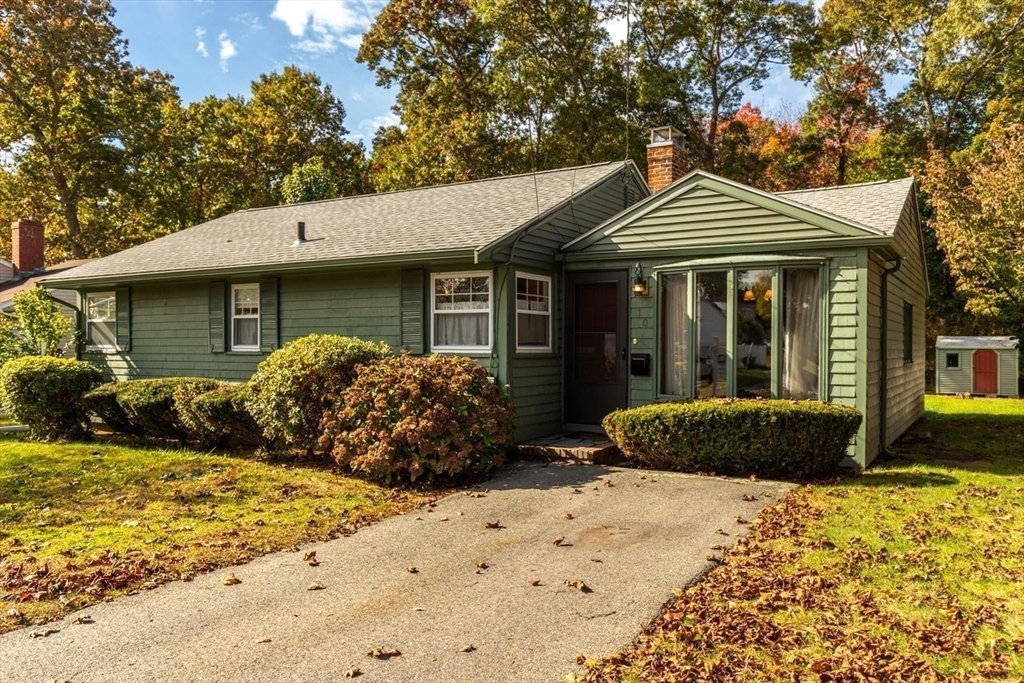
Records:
x=976, y=365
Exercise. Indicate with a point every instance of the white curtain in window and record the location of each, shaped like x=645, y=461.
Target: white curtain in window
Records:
x=801, y=333
x=460, y=329
x=675, y=336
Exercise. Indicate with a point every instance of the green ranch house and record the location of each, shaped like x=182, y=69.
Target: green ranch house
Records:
x=582, y=289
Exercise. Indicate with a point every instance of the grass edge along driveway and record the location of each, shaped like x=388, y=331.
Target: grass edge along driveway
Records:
x=86, y=522
x=911, y=571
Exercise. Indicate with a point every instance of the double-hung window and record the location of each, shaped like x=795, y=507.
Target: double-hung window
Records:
x=533, y=312
x=101, y=320
x=461, y=311
x=245, y=317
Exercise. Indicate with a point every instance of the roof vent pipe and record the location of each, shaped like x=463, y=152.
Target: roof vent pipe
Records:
x=300, y=233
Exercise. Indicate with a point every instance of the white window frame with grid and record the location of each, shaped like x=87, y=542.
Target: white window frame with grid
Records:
x=90, y=320
x=538, y=299
x=235, y=346
x=435, y=312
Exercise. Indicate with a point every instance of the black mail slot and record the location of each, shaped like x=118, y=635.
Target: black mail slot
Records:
x=640, y=364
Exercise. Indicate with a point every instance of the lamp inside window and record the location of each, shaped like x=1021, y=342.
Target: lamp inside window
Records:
x=639, y=286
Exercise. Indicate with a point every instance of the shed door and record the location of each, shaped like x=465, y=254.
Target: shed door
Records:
x=596, y=380
x=986, y=372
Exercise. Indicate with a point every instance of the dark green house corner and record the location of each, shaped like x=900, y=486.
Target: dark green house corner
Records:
x=581, y=289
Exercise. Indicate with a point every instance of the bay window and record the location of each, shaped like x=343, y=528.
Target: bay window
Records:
x=461, y=312
x=749, y=332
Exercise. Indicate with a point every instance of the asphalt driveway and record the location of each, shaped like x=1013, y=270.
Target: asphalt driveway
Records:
x=630, y=536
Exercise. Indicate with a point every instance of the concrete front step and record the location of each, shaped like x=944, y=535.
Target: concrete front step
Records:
x=577, y=447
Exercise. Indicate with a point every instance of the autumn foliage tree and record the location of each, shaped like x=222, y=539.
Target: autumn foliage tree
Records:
x=978, y=198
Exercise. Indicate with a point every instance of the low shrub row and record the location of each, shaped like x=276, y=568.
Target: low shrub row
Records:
x=779, y=438
x=390, y=417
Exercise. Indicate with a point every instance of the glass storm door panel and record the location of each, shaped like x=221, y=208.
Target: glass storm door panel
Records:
x=801, y=332
x=596, y=373
x=712, y=306
x=754, y=333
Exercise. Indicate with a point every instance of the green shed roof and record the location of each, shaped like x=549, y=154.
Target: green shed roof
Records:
x=443, y=219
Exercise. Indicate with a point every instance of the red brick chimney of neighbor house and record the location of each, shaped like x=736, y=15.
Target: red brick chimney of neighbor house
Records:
x=667, y=159
x=27, y=246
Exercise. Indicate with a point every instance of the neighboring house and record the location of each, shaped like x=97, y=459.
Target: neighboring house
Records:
x=977, y=365
x=27, y=268
x=577, y=288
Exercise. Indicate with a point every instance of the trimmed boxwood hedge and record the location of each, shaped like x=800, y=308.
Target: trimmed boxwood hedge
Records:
x=776, y=438
x=218, y=417
x=145, y=406
x=45, y=394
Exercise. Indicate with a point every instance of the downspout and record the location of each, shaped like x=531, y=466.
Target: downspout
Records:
x=883, y=399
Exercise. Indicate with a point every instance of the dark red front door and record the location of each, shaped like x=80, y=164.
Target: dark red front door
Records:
x=596, y=373
x=986, y=372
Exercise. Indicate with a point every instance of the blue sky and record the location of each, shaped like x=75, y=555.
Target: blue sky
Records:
x=217, y=47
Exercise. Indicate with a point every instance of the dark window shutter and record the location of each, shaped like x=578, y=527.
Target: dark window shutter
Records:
x=123, y=304
x=268, y=314
x=412, y=310
x=218, y=304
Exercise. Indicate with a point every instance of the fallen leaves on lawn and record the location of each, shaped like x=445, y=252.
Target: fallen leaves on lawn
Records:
x=84, y=619
x=310, y=558
x=559, y=540
x=261, y=641
x=568, y=515
x=468, y=648
x=231, y=580
x=381, y=652
x=354, y=672
x=316, y=586
x=534, y=582
x=496, y=524
x=723, y=627
x=412, y=570
x=482, y=565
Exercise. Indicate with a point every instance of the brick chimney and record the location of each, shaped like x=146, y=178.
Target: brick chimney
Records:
x=27, y=246
x=667, y=160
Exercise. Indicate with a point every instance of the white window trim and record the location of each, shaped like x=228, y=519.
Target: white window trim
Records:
x=490, y=312
x=257, y=317
x=549, y=313
x=89, y=321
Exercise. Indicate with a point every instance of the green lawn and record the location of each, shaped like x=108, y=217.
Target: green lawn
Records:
x=912, y=571
x=83, y=522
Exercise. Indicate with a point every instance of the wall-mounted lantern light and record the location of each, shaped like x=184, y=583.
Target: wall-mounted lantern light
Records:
x=639, y=281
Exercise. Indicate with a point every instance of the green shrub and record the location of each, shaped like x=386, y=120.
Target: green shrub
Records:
x=102, y=402
x=149, y=406
x=296, y=384
x=218, y=417
x=45, y=394
x=801, y=439
x=409, y=416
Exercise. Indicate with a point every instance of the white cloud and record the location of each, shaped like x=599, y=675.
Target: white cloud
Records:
x=227, y=49
x=322, y=26
x=250, y=21
x=367, y=128
x=201, y=47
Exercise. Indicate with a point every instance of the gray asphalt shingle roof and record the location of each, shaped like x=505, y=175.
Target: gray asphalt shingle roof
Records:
x=460, y=216
x=876, y=205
